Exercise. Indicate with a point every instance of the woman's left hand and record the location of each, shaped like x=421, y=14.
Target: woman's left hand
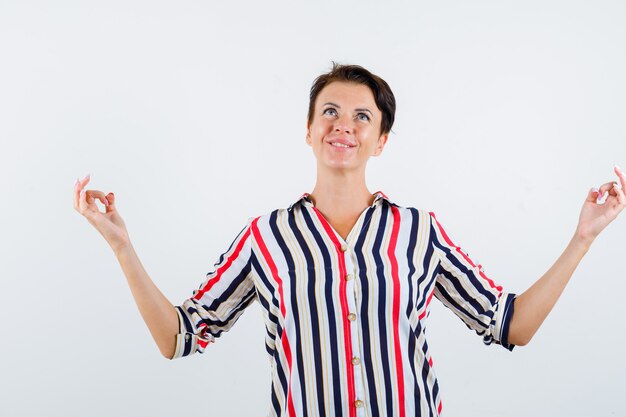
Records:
x=595, y=217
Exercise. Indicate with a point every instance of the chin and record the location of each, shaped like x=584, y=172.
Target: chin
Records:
x=341, y=165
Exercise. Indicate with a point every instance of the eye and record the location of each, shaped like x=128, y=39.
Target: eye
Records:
x=334, y=112
x=363, y=116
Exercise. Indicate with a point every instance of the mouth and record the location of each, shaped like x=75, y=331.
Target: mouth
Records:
x=341, y=143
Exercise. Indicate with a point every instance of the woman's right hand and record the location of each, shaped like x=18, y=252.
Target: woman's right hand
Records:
x=110, y=223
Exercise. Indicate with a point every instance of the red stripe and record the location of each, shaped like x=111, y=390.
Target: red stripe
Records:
x=344, y=309
x=283, y=338
x=224, y=267
x=439, y=407
x=430, y=297
x=396, y=306
x=458, y=249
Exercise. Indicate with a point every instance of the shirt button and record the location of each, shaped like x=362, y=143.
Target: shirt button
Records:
x=358, y=403
x=344, y=247
x=349, y=277
x=351, y=316
x=356, y=361
x=186, y=337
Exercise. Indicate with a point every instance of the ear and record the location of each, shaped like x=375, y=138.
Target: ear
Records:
x=308, y=134
x=382, y=140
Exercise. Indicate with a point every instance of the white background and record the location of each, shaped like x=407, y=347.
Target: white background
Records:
x=193, y=113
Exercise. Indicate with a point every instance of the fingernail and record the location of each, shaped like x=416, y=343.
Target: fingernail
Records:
x=618, y=168
x=594, y=189
x=77, y=182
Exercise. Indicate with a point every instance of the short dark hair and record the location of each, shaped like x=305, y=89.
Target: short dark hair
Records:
x=383, y=96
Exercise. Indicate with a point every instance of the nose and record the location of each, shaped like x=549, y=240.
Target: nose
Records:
x=343, y=124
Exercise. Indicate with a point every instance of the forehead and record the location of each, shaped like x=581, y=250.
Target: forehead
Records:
x=349, y=93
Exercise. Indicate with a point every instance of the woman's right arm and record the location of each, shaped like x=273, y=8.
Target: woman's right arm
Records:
x=157, y=312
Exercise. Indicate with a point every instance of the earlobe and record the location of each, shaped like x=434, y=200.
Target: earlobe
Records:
x=382, y=140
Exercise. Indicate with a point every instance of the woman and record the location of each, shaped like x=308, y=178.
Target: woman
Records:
x=344, y=276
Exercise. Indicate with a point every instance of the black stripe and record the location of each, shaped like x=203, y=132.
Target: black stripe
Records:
x=227, y=295
x=186, y=322
x=478, y=283
x=368, y=364
x=296, y=351
x=217, y=327
x=447, y=300
x=462, y=292
x=414, y=216
x=272, y=317
x=221, y=258
x=425, y=372
x=312, y=302
x=506, y=321
x=330, y=309
x=280, y=371
x=383, y=309
x=275, y=402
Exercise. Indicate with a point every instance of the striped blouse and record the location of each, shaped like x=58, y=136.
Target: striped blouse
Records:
x=345, y=319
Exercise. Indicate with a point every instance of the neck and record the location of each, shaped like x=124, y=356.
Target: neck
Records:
x=341, y=193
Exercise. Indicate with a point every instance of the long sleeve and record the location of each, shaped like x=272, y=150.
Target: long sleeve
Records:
x=463, y=287
x=219, y=301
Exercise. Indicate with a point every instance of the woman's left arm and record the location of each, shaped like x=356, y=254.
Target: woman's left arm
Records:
x=533, y=305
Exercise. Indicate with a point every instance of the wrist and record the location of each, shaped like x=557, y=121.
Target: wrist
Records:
x=120, y=247
x=582, y=240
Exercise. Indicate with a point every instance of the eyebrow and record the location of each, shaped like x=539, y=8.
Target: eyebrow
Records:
x=338, y=106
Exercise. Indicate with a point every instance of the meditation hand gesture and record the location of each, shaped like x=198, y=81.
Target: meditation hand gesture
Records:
x=110, y=223
x=595, y=217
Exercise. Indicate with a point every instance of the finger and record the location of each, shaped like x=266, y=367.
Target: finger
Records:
x=111, y=202
x=82, y=203
x=78, y=186
x=604, y=188
x=619, y=193
x=86, y=201
x=76, y=194
x=93, y=194
x=593, y=196
x=83, y=182
x=601, y=192
x=621, y=176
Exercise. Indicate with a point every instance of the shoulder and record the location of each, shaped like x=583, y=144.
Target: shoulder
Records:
x=268, y=217
x=412, y=210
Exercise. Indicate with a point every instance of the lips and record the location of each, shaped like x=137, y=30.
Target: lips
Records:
x=341, y=143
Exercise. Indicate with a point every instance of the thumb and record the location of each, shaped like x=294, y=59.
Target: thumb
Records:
x=111, y=200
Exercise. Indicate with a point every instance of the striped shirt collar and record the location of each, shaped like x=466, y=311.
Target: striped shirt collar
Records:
x=306, y=199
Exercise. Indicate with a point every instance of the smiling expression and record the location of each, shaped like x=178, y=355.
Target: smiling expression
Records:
x=345, y=130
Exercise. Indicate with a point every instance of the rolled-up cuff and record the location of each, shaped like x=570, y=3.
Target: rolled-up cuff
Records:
x=499, y=333
x=189, y=340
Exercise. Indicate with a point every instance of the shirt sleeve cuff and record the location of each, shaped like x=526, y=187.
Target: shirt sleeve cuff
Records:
x=502, y=321
x=188, y=339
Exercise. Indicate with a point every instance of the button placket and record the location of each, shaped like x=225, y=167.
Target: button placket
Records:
x=351, y=285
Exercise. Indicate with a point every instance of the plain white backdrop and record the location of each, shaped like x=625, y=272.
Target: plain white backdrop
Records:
x=193, y=114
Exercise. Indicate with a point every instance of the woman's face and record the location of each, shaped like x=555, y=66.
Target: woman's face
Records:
x=345, y=130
